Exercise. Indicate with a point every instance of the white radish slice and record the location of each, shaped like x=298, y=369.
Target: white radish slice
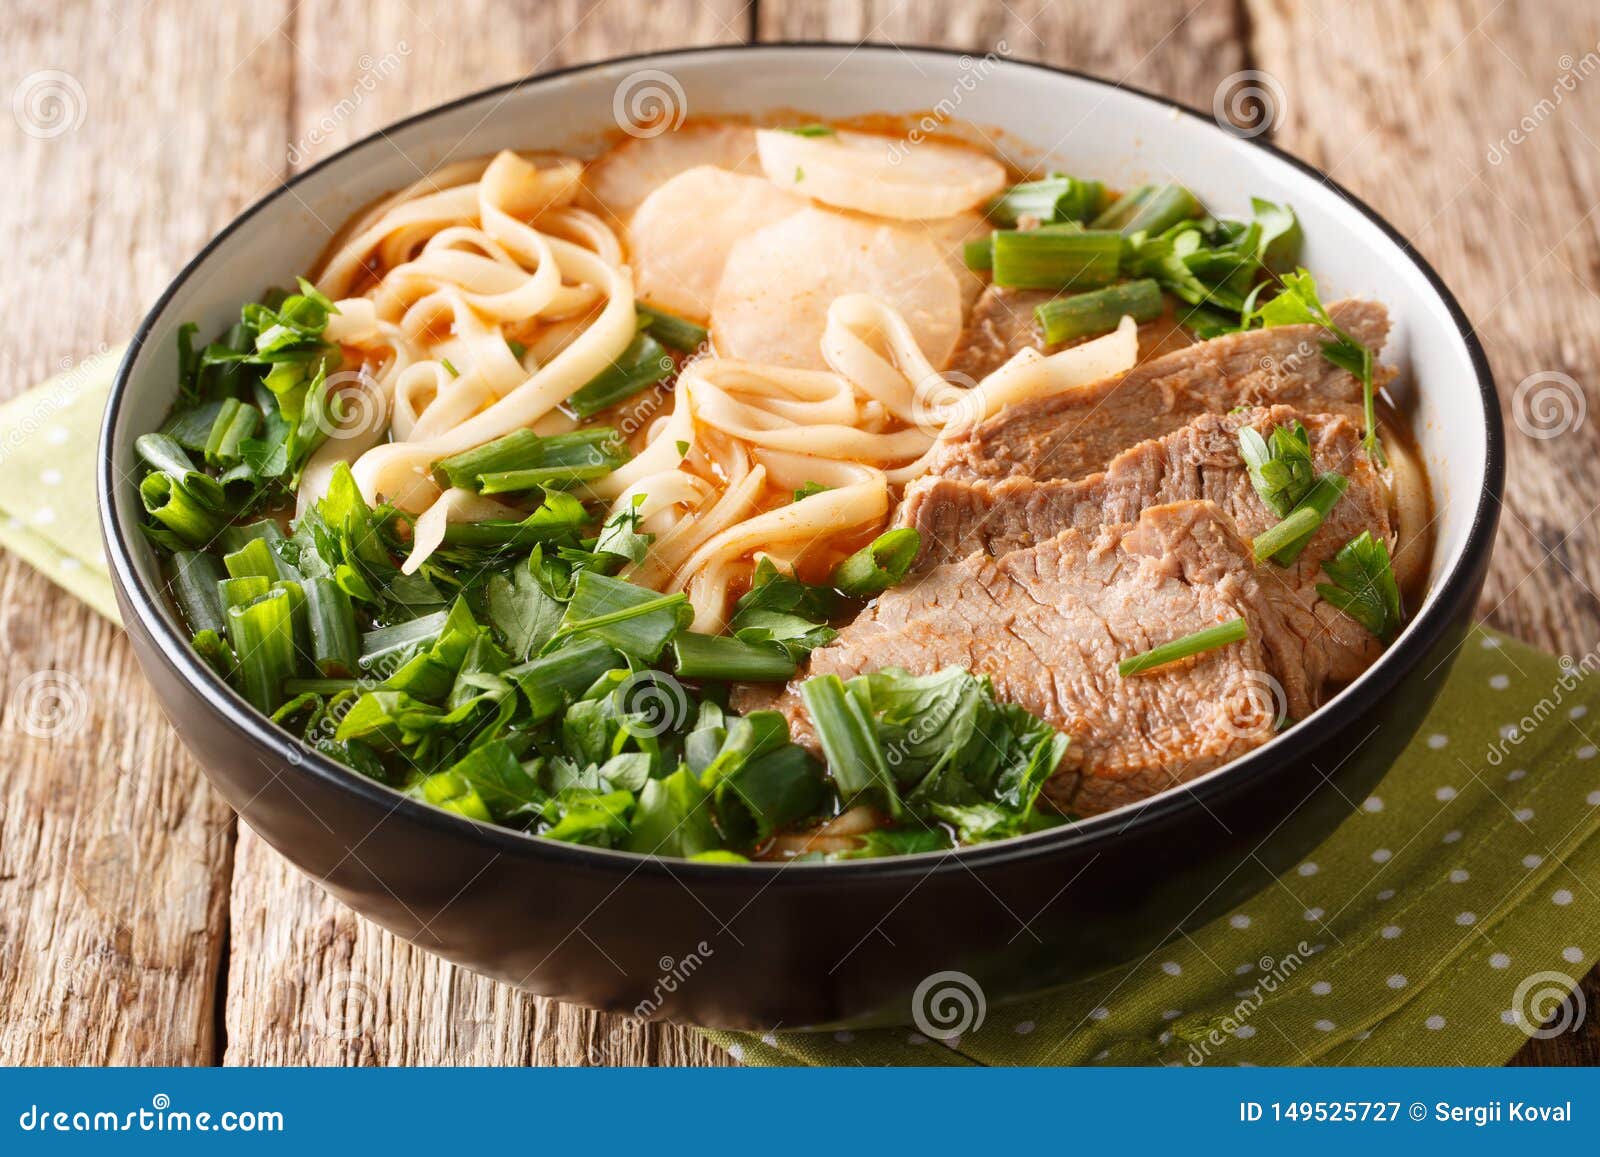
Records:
x=883, y=176
x=951, y=234
x=622, y=178
x=680, y=236
x=778, y=283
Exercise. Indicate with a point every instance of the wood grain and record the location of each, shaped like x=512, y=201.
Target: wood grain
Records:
x=136, y=924
x=114, y=855
x=1411, y=106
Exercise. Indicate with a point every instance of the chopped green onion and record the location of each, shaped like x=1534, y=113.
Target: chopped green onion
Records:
x=848, y=739
x=550, y=680
x=1121, y=211
x=1161, y=209
x=195, y=576
x=1036, y=199
x=720, y=657
x=237, y=537
x=671, y=331
x=558, y=516
x=1056, y=198
x=253, y=558
x=162, y=453
x=507, y=452
x=448, y=368
x=766, y=794
x=1056, y=258
x=512, y=481
x=235, y=421
x=335, y=642
x=1097, y=312
x=642, y=364
x=406, y=636
x=1319, y=500
x=172, y=504
x=262, y=637
x=1208, y=639
x=523, y=460
x=812, y=130
x=241, y=592
x=979, y=255
x=320, y=686
x=1302, y=522
x=878, y=566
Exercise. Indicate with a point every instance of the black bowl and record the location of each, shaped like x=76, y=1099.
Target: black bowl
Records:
x=763, y=946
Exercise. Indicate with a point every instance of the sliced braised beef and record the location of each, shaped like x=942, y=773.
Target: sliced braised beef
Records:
x=1050, y=624
x=1002, y=324
x=1076, y=432
x=1199, y=461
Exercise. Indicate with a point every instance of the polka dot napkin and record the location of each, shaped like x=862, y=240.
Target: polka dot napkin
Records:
x=49, y=441
x=1445, y=922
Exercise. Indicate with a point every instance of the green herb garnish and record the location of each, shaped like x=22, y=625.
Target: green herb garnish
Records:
x=1297, y=303
x=1208, y=639
x=1364, y=586
x=1280, y=465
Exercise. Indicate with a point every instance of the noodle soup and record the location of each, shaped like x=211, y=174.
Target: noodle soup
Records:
x=785, y=493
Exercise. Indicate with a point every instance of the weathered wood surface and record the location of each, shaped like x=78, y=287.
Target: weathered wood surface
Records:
x=138, y=923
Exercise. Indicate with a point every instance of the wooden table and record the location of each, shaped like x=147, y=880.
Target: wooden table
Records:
x=139, y=924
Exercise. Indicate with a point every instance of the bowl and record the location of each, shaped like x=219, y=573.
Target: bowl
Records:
x=808, y=946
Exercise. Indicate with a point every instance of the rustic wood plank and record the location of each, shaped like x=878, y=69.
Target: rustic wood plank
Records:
x=114, y=855
x=1413, y=106
x=308, y=980
x=1178, y=48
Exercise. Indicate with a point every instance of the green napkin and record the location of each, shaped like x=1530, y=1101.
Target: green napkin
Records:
x=48, y=448
x=1443, y=923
